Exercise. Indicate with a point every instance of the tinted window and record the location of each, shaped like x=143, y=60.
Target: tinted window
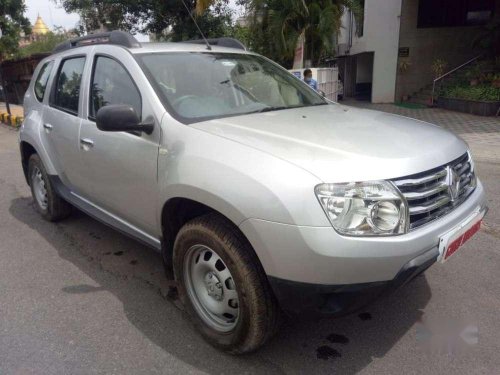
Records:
x=67, y=91
x=111, y=84
x=42, y=79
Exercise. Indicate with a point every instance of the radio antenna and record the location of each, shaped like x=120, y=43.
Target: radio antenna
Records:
x=198, y=27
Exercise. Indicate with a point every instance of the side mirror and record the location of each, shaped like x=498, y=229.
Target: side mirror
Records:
x=121, y=118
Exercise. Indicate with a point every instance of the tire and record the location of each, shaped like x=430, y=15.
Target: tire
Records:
x=255, y=318
x=47, y=202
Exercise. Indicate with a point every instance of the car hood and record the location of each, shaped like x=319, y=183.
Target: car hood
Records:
x=338, y=143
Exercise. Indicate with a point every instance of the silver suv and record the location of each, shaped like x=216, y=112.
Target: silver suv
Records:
x=261, y=196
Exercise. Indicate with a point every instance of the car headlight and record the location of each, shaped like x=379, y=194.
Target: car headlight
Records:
x=364, y=208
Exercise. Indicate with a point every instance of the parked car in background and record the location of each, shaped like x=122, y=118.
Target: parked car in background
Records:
x=261, y=196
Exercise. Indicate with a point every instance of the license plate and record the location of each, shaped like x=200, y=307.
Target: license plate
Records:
x=454, y=239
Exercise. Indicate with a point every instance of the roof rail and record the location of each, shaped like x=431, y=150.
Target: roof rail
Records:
x=220, y=42
x=116, y=37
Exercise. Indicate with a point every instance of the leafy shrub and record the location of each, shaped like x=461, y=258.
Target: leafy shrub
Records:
x=479, y=93
x=438, y=66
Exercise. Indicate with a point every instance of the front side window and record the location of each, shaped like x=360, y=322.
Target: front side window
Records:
x=42, y=79
x=67, y=91
x=111, y=84
x=201, y=86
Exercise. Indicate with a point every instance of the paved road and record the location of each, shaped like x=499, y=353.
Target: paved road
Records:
x=79, y=298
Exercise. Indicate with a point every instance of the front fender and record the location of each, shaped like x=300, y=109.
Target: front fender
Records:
x=238, y=181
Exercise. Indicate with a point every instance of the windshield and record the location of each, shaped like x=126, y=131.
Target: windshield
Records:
x=200, y=86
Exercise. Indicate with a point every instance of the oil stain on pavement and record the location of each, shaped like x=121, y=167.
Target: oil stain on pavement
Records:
x=326, y=352
x=365, y=316
x=337, y=339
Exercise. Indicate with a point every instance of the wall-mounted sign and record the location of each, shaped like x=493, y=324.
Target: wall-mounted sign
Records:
x=404, y=51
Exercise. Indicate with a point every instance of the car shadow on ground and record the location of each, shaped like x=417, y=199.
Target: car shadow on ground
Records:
x=134, y=274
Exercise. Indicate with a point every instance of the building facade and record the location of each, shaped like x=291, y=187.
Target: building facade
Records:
x=388, y=55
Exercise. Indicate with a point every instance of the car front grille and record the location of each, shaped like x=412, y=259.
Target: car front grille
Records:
x=434, y=193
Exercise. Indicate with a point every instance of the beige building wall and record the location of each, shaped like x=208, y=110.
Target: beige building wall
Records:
x=452, y=44
x=381, y=36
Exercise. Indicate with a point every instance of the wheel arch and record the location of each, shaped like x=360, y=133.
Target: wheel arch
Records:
x=177, y=211
x=31, y=141
x=27, y=149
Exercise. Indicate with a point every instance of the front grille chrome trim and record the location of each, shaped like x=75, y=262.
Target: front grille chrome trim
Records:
x=415, y=210
x=410, y=182
x=413, y=195
x=430, y=194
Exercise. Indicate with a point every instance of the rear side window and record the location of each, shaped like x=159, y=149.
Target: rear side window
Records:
x=112, y=84
x=42, y=79
x=67, y=90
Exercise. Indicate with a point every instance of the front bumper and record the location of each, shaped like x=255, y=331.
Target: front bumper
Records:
x=336, y=300
x=319, y=255
x=314, y=271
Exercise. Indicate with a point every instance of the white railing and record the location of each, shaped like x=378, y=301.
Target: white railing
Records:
x=448, y=73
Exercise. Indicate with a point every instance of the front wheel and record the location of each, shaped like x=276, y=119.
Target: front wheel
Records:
x=223, y=286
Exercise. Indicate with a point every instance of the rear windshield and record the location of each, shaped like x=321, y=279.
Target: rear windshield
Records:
x=201, y=86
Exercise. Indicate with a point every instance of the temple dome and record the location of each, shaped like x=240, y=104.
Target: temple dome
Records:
x=40, y=28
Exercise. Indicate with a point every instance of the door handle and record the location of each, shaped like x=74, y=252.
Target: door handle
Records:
x=48, y=127
x=86, y=143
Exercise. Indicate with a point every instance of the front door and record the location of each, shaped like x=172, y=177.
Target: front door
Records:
x=61, y=123
x=120, y=168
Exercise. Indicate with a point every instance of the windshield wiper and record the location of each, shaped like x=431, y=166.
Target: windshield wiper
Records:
x=277, y=108
x=273, y=108
x=281, y=107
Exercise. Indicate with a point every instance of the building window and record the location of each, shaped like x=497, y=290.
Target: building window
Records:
x=454, y=13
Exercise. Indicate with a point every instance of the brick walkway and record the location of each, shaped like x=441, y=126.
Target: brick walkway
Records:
x=481, y=133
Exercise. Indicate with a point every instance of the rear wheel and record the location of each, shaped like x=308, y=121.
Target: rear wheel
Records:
x=47, y=202
x=223, y=285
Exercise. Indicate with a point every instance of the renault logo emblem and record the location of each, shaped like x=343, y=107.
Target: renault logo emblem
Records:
x=453, y=181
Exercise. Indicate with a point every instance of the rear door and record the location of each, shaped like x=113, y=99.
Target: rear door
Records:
x=61, y=121
x=120, y=167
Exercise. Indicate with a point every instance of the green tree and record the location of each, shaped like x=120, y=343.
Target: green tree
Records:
x=98, y=14
x=44, y=43
x=215, y=22
x=12, y=23
x=168, y=19
x=278, y=24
